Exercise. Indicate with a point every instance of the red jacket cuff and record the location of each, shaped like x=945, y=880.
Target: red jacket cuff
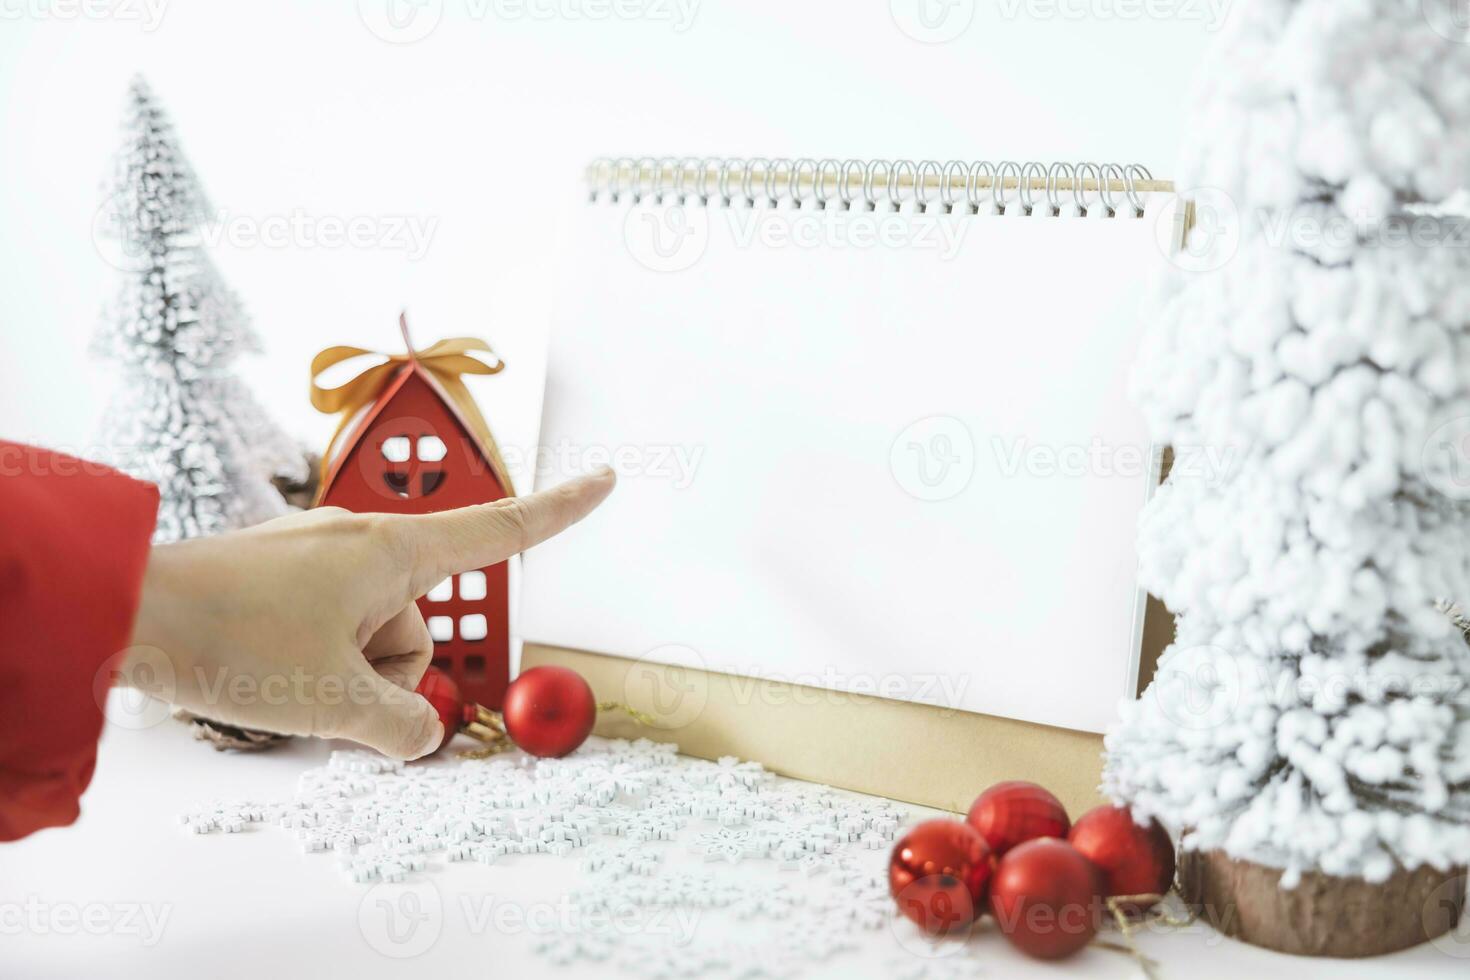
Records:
x=74, y=539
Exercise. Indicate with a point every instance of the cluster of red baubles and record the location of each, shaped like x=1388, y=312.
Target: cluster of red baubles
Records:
x=548, y=711
x=1018, y=856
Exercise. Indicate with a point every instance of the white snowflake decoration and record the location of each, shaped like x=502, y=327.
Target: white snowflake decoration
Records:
x=387, y=822
x=728, y=845
x=620, y=860
x=225, y=818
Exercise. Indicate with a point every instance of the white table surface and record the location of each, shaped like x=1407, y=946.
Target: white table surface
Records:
x=252, y=905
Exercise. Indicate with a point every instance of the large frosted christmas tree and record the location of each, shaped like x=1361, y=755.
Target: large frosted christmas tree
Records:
x=180, y=419
x=1312, y=713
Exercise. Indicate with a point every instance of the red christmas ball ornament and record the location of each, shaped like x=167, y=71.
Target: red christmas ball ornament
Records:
x=1131, y=858
x=1044, y=898
x=938, y=873
x=439, y=689
x=1013, y=812
x=549, y=711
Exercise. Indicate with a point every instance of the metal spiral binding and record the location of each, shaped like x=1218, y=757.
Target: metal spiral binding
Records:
x=920, y=186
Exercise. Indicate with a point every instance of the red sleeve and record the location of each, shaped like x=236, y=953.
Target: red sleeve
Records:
x=73, y=548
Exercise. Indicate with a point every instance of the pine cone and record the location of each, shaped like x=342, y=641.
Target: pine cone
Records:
x=225, y=737
x=301, y=495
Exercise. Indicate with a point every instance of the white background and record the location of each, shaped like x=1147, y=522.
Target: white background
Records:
x=482, y=127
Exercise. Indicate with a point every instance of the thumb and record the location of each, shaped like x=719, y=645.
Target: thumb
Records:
x=398, y=723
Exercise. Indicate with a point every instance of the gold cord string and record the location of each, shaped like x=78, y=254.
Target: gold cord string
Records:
x=640, y=717
x=489, y=728
x=1128, y=922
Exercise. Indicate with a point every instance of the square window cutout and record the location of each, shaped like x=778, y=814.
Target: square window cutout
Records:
x=431, y=449
x=442, y=592
x=474, y=668
x=441, y=628
x=473, y=627
x=472, y=585
x=395, y=449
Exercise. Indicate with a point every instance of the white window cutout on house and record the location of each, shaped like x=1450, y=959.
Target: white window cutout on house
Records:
x=395, y=449
x=441, y=628
x=473, y=627
x=431, y=449
x=442, y=592
x=472, y=585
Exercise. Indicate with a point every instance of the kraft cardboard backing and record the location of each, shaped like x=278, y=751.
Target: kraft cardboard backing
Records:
x=916, y=753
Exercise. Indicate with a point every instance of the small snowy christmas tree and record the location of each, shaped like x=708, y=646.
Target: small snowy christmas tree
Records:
x=180, y=419
x=1312, y=714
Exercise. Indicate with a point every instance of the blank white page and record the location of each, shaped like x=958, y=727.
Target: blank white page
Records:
x=880, y=453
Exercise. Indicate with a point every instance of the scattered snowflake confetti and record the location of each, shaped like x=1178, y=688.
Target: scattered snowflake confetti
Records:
x=727, y=844
x=227, y=818
x=618, y=861
x=616, y=806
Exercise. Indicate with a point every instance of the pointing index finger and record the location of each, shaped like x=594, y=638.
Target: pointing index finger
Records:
x=455, y=541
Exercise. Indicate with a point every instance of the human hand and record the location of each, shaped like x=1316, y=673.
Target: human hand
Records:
x=307, y=625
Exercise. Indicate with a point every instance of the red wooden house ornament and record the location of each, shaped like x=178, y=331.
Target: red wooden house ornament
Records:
x=412, y=441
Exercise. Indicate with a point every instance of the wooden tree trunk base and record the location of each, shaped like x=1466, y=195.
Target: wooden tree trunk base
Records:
x=1322, y=916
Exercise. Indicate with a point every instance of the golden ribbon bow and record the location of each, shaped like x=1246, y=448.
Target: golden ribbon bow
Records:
x=446, y=360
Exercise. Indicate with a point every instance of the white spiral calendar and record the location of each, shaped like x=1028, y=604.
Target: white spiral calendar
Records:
x=871, y=424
